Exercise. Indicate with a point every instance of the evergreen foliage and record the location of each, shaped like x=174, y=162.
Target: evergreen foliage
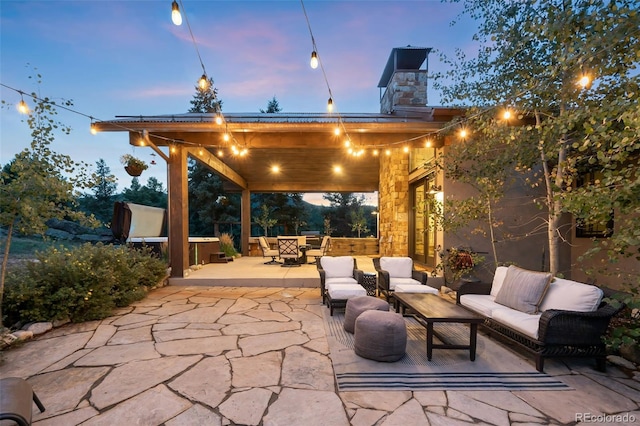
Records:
x=152, y=194
x=206, y=100
x=103, y=186
x=273, y=106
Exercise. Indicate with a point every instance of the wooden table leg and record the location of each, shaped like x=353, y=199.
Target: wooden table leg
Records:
x=473, y=337
x=429, y=340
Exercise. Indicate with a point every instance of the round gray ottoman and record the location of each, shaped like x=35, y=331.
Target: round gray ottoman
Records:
x=381, y=336
x=357, y=305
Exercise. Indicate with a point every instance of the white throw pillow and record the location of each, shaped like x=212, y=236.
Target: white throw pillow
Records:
x=570, y=295
x=399, y=267
x=338, y=266
x=498, y=279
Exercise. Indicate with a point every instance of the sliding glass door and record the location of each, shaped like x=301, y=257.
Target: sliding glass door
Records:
x=422, y=225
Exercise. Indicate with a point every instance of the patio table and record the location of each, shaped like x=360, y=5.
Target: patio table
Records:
x=429, y=309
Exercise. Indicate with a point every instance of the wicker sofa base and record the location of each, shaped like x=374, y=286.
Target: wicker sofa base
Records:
x=540, y=350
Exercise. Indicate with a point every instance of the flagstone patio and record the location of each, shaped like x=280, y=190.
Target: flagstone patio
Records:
x=259, y=356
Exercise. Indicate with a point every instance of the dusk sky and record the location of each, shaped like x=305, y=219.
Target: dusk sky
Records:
x=123, y=57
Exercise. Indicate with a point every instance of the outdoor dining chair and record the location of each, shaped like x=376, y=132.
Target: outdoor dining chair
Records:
x=267, y=251
x=322, y=251
x=289, y=251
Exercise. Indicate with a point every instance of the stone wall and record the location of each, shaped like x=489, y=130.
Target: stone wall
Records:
x=408, y=88
x=394, y=203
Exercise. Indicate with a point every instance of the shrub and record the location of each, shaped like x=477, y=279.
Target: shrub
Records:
x=83, y=283
x=226, y=245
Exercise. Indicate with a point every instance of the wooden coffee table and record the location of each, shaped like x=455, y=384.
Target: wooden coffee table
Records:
x=429, y=309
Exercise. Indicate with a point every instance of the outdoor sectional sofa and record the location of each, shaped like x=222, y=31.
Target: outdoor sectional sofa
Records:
x=546, y=316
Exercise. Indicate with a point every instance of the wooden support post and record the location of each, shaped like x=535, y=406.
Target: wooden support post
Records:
x=178, y=212
x=245, y=221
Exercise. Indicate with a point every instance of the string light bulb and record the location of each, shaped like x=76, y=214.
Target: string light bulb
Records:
x=176, y=16
x=314, y=60
x=226, y=137
x=220, y=153
x=428, y=143
x=336, y=131
x=463, y=133
x=23, y=108
x=405, y=149
x=203, y=83
x=92, y=129
x=506, y=115
x=330, y=105
x=584, y=81
x=375, y=152
x=218, y=118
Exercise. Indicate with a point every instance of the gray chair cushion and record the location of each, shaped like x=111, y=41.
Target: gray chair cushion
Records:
x=357, y=305
x=380, y=336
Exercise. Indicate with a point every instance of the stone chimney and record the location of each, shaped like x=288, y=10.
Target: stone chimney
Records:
x=404, y=82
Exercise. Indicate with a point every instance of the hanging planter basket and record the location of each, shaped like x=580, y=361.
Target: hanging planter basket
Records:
x=133, y=165
x=133, y=170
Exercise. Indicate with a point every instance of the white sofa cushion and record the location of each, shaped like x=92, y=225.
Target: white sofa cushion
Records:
x=395, y=281
x=498, y=279
x=399, y=267
x=523, y=290
x=524, y=323
x=415, y=288
x=571, y=296
x=338, y=266
x=340, y=280
x=481, y=303
x=345, y=291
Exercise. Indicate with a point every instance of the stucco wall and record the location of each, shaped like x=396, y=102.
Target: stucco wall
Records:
x=606, y=274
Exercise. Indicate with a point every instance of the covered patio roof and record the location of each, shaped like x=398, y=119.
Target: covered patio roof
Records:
x=303, y=145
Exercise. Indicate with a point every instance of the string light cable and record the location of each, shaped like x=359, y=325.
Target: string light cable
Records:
x=331, y=106
x=203, y=84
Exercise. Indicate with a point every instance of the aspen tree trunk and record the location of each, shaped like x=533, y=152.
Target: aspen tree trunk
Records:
x=5, y=262
x=492, y=234
x=554, y=205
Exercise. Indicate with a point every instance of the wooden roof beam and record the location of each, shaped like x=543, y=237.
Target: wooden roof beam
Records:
x=218, y=166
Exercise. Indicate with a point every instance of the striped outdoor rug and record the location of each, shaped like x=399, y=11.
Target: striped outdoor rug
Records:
x=495, y=367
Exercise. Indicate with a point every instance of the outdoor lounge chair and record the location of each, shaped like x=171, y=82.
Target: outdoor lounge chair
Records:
x=394, y=271
x=340, y=279
x=268, y=251
x=322, y=251
x=16, y=400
